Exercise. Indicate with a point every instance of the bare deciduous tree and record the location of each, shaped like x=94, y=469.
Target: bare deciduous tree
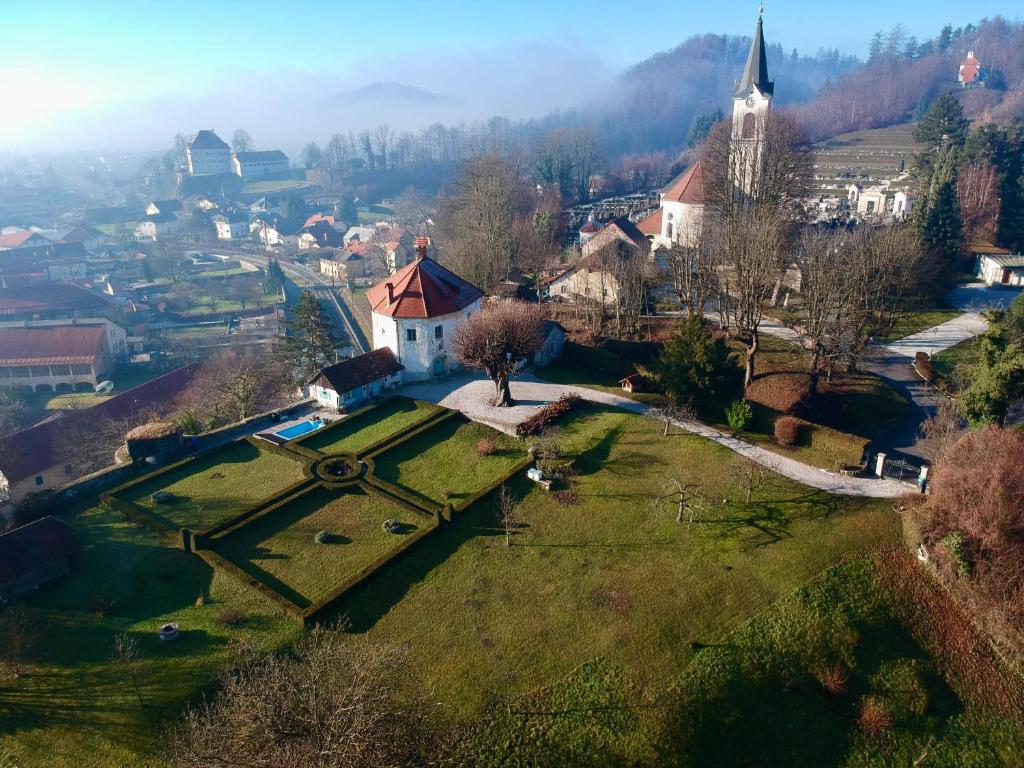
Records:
x=941, y=431
x=126, y=656
x=20, y=635
x=751, y=477
x=670, y=413
x=507, y=511
x=333, y=703
x=497, y=339
x=241, y=141
x=685, y=497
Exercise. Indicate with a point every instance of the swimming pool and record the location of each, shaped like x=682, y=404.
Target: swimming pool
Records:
x=302, y=428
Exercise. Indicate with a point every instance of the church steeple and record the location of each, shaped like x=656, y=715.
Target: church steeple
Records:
x=756, y=71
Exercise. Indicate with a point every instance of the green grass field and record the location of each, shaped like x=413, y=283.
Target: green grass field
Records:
x=263, y=187
x=613, y=576
x=953, y=362
x=362, y=429
x=75, y=708
x=218, y=485
x=279, y=548
x=443, y=461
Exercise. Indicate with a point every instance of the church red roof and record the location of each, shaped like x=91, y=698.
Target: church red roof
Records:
x=422, y=288
x=651, y=225
x=970, y=68
x=687, y=188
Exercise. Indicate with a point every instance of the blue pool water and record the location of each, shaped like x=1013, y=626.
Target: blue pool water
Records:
x=300, y=429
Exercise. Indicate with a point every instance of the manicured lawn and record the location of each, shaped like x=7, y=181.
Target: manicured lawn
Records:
x=443, y=461
x=611, y=577
x=75, y=708
x=279, y=548
x=913, y=322
x=951, y=363
x=218, y=485
x=364, y=428
x=280, y=185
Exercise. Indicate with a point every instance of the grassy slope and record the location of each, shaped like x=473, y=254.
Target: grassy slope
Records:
x=362, y=430
x=218, y=485
x=75, y=708
x=949, y=360
x=280, y=548
x=444, y=458
x=755, y=698
x=612, y=576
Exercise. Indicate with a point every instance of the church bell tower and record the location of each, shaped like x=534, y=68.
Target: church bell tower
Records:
x=751, y=103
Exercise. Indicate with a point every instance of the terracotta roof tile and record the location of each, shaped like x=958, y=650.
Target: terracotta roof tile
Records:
x=51, y=345
x=651, y=225
x=688, y=187
x=422, y=288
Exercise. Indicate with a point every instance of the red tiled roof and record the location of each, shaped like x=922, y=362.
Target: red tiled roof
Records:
x=25, y=549
x=51, y=345
x=29, y=451
x=422, y=288
x=687, y=188
x=17, y=239
x=651, y=225
x=319, y=217
x=363, y=369
x=48, y=296
x=589, y=227
x=970, y=68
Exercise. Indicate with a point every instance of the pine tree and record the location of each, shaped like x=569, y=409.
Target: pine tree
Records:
x=311, y=343
x=939, y=217
x=944, y=122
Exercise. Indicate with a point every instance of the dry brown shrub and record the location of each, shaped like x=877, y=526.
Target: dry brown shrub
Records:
x=567, y=498
x=874, y=719
x=834, y=679
x=231, y=617
x=787, y=430
x=977, y=490
x=782, y=392
x=485, y=446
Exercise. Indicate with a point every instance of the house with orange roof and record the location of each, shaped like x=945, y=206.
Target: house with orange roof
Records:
x=415, y=312
x=970, y=73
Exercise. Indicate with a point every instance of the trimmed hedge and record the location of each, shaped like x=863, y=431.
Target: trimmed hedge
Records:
x=143, y=516
x=215, y=560
x=235, y=520
x=422, y=504
x=548, y=415
x=435, y=417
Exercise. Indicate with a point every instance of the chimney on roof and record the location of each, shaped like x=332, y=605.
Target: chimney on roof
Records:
x=421, y=244
x=391, y=292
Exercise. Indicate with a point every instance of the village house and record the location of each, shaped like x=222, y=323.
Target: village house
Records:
x=415, y=312
x=320, y=234
x=552, y=336
x=970, y=74
x=153, y=207
x=617, y=229
x=231, y=226
x=39, y=458
x=22, y=238
x=53, y=356
x=91, y=238
x=154, y=226
x=997, y=266
x=256, y=165
x=34, y=555
x=208, y=154
x=352, y=382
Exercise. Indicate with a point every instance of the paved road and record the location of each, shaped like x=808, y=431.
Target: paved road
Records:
x=328, y=295
x=472, y=394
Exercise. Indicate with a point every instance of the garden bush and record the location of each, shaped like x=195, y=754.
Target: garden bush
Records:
x=901, y=685
x=485, y=446
x=548, y=415
x=739, y=415
x=923, y=365
x=231, y=617
x=787, y=430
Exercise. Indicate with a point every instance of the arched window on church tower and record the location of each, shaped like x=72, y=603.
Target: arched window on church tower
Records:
x=749, y=122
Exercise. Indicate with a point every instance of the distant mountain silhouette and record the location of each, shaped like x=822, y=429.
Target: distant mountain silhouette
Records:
x=392, y=92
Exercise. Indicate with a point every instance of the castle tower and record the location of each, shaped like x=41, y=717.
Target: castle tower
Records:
x=751, y=103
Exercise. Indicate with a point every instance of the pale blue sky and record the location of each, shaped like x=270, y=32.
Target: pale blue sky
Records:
x=70, y=57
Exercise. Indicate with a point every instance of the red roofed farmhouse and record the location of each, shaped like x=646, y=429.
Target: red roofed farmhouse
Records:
x=51, y=358
x=415, y=312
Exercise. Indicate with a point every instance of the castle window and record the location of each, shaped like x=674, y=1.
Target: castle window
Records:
x=749, y=122
x=410, y=334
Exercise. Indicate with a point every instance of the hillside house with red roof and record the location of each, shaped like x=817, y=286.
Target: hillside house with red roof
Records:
x=415, y=311
x=970, y=73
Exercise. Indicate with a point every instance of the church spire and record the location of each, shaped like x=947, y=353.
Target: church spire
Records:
x=756, y=71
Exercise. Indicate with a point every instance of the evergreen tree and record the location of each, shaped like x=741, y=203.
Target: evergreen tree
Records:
x=939, y=218
x=702, y=126
x=943, y=122
x=695, y=368
x=273, y=277
x=311, y=343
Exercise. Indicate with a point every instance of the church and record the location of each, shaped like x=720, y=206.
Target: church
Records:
x=680, y=214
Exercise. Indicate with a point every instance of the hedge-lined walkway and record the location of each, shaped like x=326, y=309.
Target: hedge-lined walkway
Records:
x=472, y=396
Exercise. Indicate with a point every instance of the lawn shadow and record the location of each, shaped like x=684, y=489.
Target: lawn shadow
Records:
x=595, y=458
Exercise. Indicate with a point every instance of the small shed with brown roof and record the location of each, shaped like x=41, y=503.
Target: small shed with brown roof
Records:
x=33, y=555
x=356, y=380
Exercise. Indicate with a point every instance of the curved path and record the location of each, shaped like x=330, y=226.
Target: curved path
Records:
x=471, y=395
